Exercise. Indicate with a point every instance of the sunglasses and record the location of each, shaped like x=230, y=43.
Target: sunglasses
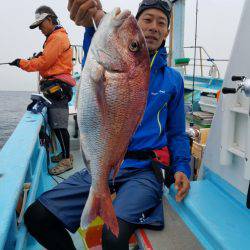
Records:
x=165, y=4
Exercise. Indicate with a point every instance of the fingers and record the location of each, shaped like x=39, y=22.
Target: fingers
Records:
x=177, y=182
x=83, y=11
x=182, y=185
x=79, y=8
x=70, y=3
x=83, y=16
x=99, y=4
x=182, y=192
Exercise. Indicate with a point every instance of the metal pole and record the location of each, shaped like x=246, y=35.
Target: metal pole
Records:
x=201, y=62
x=170, y=54
x=38, y=83
x=178, y=31
x=195, y=46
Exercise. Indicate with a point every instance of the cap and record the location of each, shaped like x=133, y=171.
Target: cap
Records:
x=41, y=14
x=39, y=18
x=164, y=5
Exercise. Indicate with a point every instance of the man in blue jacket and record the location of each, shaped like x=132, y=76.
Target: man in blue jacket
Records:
x=139, y=184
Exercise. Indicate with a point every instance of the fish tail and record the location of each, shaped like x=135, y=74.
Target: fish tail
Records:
x=100, y=204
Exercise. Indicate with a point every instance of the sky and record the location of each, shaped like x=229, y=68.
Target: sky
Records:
x=217, y=25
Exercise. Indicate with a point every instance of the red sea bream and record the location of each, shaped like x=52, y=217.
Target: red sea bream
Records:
x=111, y=103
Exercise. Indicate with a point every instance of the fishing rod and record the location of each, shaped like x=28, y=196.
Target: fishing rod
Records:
x=4, y=63
x=95, y=27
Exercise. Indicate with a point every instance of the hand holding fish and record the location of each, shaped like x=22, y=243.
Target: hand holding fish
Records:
x=83, y=11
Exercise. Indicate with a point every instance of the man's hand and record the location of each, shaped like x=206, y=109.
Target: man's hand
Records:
x=182, y=185
x=15, y=63
x=82, y=12
x=35, y=55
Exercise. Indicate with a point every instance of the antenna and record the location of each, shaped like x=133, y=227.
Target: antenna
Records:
x=195, y=45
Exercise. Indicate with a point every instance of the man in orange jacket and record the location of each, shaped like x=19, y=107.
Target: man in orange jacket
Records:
x=55, y=61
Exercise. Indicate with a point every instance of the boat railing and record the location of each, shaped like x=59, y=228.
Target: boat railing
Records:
x=77, y=56
x=23, y=163
x=205, y=65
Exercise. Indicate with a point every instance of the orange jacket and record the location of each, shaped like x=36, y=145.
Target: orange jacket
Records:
x=56, y=57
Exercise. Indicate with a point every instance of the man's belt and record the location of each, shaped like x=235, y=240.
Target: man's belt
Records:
x=49, y=86
x=160, y=160
x=161, y=156
x=53, y=89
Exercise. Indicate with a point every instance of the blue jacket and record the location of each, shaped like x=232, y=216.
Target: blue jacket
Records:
x=163, y=123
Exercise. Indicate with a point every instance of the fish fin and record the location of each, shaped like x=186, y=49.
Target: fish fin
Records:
x=98, y=77
x=100, y=204
x=97, y=73
x=103, y=105
x=101, y=99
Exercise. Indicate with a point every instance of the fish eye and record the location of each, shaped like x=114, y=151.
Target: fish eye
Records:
x=134, y=46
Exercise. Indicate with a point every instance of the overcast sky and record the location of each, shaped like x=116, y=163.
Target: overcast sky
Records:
x=217, y=24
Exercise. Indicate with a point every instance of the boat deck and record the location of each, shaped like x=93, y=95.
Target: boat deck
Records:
x=176, y=235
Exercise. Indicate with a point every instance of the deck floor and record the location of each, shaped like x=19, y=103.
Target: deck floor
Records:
x=175, y=235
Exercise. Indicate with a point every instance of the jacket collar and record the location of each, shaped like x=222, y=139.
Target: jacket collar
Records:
x=160, y=59
x=57, y=27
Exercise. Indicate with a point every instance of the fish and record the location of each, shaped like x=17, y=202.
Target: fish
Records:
x=112, y=98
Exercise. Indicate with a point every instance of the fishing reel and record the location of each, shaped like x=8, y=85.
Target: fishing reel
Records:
x=193, y=132
x=243, y=84
x=41, y=98
x=39, y=102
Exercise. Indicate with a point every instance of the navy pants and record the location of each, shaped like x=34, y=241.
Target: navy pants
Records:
x=138, y=198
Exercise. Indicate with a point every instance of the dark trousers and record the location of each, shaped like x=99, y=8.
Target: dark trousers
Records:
x=50, y=232
x=63, y=137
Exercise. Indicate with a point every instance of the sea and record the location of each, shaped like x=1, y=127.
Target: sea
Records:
x=13, y=105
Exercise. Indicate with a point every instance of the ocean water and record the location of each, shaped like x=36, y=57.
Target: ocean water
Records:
x=12, y=108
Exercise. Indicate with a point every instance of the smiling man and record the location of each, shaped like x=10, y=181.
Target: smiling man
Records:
x=154, y=24
x=160, y=142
